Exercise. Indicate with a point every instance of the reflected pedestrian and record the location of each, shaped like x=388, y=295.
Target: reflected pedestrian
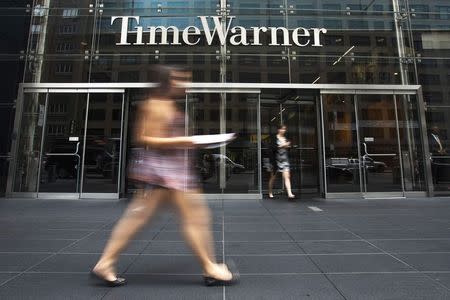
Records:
x=162, y=167
x=280, y=161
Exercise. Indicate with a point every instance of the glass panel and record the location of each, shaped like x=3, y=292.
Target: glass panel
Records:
x=297, y=110
x=232, y=169
x=7, y=123
x=341, y=144
x=29, y=144
x=204, y=118
x=241, y=165
x=63, y=143
x=411, y=143
x=60, y=43
x=301, y=120
x=379, y=143
x=103, y=143
x=439, y=143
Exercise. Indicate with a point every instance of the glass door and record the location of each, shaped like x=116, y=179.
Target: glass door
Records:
x=231, y=169
x=63, y=143
x=297, y=109
x=341, y=145
x=102, y=164
x=381, y=163
x=372, y=145
x=69, y=143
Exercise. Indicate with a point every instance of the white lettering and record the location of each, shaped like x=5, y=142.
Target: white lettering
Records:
x=124, y=30
x=139, y=36
x=242, y=35
x=274, y=38
x=256, y=31
x=164, y=30
x=186, y=35
x=192, y=35
x=221, y=32
x=317, y=32
x=296, y=34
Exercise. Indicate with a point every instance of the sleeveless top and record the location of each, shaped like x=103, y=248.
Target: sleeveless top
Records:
x=169, y=168
x=282, y=157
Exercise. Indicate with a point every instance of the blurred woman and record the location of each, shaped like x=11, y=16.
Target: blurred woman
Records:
x=164, y=170
x=280, y=161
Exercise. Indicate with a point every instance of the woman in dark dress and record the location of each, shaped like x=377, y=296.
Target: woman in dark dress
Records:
x=280, y=161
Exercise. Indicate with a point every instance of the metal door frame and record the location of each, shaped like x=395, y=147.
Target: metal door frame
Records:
x=380, y=90
x=48, y=89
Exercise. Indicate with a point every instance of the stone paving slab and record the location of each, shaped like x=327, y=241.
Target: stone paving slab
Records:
x=377, y=249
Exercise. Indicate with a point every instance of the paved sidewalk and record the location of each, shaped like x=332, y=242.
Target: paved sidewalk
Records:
x=346, y=249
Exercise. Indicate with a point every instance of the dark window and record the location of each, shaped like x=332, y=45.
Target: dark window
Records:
x=95, y=131
x=117, y=114
x=200, y=115
x=214, y=115
x=229, y=114
x=97, y=115
x=242, y=114
x=359, y=41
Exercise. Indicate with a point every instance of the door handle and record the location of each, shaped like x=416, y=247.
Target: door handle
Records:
x=366, y=153
x=66, y=154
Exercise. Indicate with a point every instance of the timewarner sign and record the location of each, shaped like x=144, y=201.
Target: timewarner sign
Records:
x=223, y=31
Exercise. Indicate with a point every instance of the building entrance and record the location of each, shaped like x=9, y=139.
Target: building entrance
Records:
x=298, y=111
x=347, y=141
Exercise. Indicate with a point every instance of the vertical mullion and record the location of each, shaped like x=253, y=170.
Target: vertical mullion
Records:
x=324, y=159
x=400, y=158
x=361, y=163
x=81, y=183
x=41, y=152
x=258, y=126
x=121, y=143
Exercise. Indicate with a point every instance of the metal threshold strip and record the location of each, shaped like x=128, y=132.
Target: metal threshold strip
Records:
x=383, y=198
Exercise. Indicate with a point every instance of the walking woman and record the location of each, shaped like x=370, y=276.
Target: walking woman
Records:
x=162, y=167
x=280, y=161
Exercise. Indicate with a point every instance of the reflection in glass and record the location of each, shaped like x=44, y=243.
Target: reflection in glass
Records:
x=63, y=143
x=380, y=160
x=341, y=144
x=411, y=142
x=29, y=144
x=231, y=169
x=439, y=143
x=103, y=144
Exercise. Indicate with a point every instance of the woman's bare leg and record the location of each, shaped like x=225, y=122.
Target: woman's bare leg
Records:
x=287, y=183
x=135, y=217
x=196, y=221
x=273, y=175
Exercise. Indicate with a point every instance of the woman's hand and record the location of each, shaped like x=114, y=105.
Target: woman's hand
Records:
x=286, y=144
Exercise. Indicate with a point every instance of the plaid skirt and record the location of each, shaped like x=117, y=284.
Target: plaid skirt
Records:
x=169, y=168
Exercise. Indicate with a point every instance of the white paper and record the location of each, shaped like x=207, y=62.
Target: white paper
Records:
x=213, y=140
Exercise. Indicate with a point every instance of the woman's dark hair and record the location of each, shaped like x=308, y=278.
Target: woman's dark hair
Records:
x=281, y=126
x=161, y=75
